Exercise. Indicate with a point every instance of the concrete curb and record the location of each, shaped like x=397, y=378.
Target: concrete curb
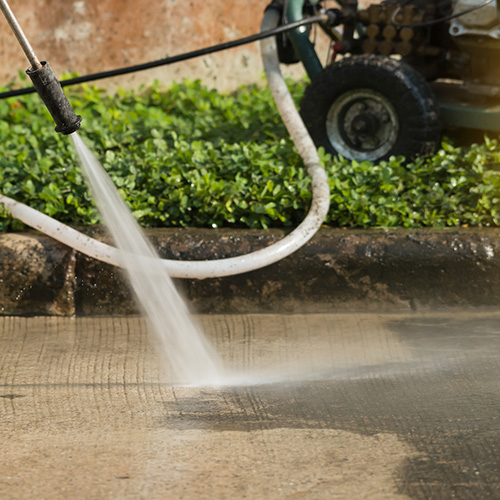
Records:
x=339, y=270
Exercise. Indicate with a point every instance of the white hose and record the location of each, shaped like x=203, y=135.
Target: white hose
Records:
x=234, y=265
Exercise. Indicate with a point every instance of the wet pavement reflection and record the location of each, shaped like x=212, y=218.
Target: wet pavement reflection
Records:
x=320, y=406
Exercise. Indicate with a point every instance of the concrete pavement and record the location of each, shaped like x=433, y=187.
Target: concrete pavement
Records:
x=347, y=406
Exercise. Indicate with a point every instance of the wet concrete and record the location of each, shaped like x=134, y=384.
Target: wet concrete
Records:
x=338, y=270
x=384, y=406
x=36, y=275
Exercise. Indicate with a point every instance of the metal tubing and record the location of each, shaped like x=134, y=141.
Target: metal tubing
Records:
x=300, y=39
x=21, y=37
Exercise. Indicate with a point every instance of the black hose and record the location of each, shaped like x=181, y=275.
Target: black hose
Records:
x=320, y=18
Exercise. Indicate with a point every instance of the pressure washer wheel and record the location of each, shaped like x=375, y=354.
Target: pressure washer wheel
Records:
x=371, y=107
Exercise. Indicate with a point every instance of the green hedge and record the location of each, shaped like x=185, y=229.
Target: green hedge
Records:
x=190, y=156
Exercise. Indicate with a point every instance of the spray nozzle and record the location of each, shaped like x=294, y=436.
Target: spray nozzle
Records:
x=44, y=80
x=51, y=92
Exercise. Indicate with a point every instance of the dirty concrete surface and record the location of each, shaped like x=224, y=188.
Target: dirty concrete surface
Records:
x=337, y=271
x=346, y=406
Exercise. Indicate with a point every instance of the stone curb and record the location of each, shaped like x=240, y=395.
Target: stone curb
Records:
x=339, y=270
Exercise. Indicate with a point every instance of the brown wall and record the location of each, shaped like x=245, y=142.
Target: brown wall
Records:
x=93, y=35
x=87, y=36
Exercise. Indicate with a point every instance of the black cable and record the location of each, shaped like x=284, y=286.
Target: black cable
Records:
x=434, y=21
x=320, y=18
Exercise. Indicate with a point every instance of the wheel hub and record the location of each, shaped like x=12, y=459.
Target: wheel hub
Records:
x=362, y=124
x=365, y=125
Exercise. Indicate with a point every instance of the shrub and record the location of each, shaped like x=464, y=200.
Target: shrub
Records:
x=190, y=156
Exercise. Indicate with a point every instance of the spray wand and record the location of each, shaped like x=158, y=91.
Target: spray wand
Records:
x=44, y=80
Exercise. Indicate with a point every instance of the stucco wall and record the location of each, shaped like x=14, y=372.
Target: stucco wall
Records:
x=93, y=35
x=87, y=36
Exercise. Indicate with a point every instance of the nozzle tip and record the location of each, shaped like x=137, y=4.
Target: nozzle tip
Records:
x=52, y=94
x=72, y=127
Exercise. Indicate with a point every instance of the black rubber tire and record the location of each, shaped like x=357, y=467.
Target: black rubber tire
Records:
x=385, y=88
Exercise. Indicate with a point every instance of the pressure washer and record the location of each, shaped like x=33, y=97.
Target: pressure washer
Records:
x=398, y=72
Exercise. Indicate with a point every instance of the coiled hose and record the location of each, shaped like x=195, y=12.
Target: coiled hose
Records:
x=234, y=265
